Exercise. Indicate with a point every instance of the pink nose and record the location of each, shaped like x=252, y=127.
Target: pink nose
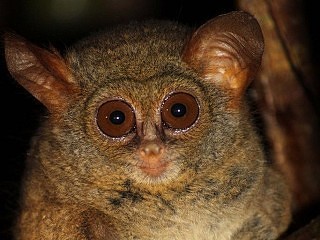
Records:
x=149, y=148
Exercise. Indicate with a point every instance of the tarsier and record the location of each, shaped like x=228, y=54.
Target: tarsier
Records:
x=148, y=136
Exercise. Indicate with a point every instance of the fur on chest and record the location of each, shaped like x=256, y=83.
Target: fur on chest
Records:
x=185, y=222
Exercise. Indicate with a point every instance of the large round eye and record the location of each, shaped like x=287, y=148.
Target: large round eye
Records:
x=115, y=118
x=179, y=111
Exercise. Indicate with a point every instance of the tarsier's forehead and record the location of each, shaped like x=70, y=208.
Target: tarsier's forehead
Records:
x=137, y=68
x=137, y=51
x=150, y=89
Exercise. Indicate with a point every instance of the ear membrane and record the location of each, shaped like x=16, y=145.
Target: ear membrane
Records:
x=42, y=72
x=226, y=51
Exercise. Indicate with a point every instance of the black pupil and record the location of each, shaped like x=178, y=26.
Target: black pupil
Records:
x=178, y=110
x=117, y=117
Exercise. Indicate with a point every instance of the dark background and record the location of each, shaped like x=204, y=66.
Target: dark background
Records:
x=60, y=23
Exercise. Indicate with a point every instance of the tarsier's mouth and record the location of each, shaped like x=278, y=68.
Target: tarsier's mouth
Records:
x=155, y=170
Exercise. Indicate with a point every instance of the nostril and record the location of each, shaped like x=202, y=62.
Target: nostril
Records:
x=151, y=148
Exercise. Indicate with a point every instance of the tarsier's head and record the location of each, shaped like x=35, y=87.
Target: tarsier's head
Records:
x=150, y=103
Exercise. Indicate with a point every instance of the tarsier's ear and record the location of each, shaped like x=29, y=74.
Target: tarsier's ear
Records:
x=226, y=51
x=43, y=73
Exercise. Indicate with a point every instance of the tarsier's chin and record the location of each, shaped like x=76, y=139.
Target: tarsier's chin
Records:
x=148, y=136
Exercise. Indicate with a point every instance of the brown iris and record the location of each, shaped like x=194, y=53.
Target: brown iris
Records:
x=115, y=118
x=179, y=111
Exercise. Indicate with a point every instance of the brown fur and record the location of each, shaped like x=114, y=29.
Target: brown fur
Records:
x=82, y=184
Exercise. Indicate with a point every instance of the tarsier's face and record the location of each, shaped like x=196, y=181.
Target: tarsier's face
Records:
x=176, y=113
x=150, y=126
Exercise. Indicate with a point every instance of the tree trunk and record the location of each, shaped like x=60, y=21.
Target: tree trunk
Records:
x=287, y=92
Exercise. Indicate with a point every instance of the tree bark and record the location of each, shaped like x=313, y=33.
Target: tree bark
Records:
x=287, y=92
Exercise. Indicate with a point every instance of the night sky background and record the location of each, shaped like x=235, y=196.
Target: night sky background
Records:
x=60, y=23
